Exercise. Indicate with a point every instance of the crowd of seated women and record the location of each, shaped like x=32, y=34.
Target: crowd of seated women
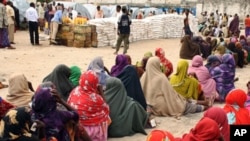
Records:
x=97, y=103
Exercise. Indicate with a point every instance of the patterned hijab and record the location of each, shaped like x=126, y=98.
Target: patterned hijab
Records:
x=168, y=67
x=16, y=124
x=91, y=107
x=120, y=62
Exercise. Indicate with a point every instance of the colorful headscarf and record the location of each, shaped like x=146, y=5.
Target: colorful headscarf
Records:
x=167, y=65
x=219, y=115
x=181, y=73
x=4, y=106
x=213, y=61
x=197, y=61
x=228, y=60
x=120, y=62
x=16, y=124
x=205, y=130
x=160, y=135
x=235, y=107
x=75, y=73
x=85, y=98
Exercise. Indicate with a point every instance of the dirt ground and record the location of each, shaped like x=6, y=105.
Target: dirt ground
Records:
x=35, y=62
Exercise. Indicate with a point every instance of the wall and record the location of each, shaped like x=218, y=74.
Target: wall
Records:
x=241, y=7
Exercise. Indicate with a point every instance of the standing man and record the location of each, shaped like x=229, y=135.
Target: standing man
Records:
x=247, y=26
x=32, y=17
x=123, y=33
x=11, y=21
x=117, y=15
x=56, y=20
x=41, y=16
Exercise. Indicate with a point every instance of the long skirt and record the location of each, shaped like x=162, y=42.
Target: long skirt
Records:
x=4, y=40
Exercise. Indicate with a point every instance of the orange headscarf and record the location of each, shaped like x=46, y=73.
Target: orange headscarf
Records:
x=160, y=135
x=235, y=107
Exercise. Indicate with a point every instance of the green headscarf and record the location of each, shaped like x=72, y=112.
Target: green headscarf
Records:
x=75, y=73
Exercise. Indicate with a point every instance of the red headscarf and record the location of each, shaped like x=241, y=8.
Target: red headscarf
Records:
x=160, y=135
x=219, y=115
x=91, y=107
x=205, y=130
x=165, y=62
x=4, y=106
x=235, y=104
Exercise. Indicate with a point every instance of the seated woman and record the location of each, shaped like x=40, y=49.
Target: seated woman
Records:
x=4, y=107
x=128, y=116
x=205, y=130
x=208, y=85
x=44, y=108
x=60, y=78
x=139, y=69
x=218, y=114
x=16, y=124
x=93, y=111
x=238, y=54
x=224, y=76
x=167, y=66
x=131, y=81
x=120, y=62
x=248, y=96
x=188, y=49
x=161, y=96
x=239, y=47
x=205, y=47
x=75, y=73
x=184, y=84
x=97, y=65
x=19, y=91
x=212, y=62
x=235, y=109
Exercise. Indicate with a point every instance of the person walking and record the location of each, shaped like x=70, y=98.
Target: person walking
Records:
x=4, y=40
x=11, y=21
x=247, y=26
x=123, y=33
x=55, y=21
x=32, y=17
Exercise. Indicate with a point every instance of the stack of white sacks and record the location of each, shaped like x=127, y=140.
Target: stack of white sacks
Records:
x=155, y=27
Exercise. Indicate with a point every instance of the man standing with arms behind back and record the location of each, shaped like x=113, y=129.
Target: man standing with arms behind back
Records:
x=11, y=21
x=32, y=17
x=123, y=33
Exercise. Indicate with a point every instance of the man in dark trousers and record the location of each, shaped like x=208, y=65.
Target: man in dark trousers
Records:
x=32, y=17
x=123, y=32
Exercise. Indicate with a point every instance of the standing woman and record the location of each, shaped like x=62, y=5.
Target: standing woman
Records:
x=234, y=26
x=186, y=27
x=4, y=40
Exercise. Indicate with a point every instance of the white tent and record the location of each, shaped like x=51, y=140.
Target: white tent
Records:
x=22, y=6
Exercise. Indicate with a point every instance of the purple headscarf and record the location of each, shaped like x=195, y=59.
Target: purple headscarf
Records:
x=44, y=108
x=120, y=62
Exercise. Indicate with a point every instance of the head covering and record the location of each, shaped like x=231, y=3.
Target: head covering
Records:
x=228, y=60
x=212, y=61
x=165, y=101
x=197, y=61
x=160, y=135
x=145, y=58
x=60, y=77
x=220, y=50
x=182, y=83
x=205, y=130
x=233, y=39
x=4, y=106
x=167, y=65
x=219, y=115
x=188, y=49
x=131, y=81
x=90, y=106
x=75, y=73
x=123, y=109
x=235, y=107
x=19, y=94
x=15, y=124
x=97, y=66
x=44, y=108
x=120, y=62
x=238, y=45
x=129, y=59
